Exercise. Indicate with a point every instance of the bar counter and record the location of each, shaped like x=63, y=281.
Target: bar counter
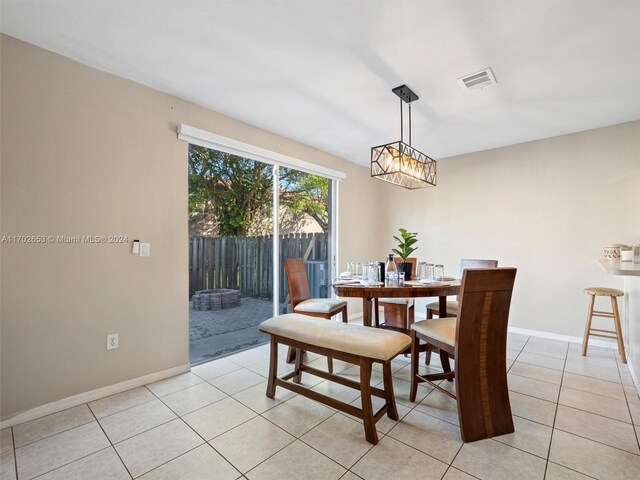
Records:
x=631, y=311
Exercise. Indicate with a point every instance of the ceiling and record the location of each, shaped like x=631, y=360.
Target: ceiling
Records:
x=321, y=71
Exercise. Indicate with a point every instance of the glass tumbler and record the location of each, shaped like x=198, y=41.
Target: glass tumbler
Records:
x=358, y=269
x=429, y=276
x=438, y=273
x=374, y=272
x=422, y=271
x=351, y=267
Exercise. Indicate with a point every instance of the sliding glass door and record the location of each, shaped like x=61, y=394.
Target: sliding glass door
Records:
x=304, y=220
x=245, y=217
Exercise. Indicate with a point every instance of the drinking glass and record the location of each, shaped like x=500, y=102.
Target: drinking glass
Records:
x=351, y=267
x=400, y=278
x=374, y=272
x=421, y=274
x=430, y=272
x=438, y=273
x=358, y=269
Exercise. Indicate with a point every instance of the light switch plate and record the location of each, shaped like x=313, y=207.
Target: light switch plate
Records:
x=145, y=249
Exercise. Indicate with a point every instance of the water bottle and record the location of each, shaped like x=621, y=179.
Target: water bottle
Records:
x=392, y=271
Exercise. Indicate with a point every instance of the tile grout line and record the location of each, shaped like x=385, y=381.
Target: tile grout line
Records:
x=110, y=442
x=633, y=425
x=70, y=463
x=179, y=417
x=555, y=415
x=15, y=457
x=52, y=434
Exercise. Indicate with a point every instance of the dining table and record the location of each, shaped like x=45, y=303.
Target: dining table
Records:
x=370, y=292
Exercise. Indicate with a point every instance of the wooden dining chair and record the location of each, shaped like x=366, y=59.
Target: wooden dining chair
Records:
x=301, y=301
x=398, y=312
x=477, y=339
x=452, y=305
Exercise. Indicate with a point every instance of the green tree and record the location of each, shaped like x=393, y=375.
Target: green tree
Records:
x=237, y=192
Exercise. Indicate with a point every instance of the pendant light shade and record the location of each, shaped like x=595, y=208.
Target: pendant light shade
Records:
x=398, y=162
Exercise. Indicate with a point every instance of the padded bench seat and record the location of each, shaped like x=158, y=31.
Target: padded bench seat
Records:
x=350, y=343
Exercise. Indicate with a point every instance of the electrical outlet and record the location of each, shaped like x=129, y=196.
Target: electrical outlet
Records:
x=112, y=341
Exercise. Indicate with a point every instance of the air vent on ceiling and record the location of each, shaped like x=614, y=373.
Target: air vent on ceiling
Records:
x=477, y=81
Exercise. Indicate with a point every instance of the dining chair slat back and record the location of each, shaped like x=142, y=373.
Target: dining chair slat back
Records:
x=298, y=281
x=479, y=346
x=484, y=409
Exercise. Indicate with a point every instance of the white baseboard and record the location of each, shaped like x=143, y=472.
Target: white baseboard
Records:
x=633, y=374
x=564, y=338
x=79, y=399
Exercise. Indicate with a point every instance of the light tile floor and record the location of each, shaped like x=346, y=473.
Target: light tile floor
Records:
x=576, y=418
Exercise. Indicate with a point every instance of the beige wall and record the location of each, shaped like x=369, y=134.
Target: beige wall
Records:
x=86, y=153
x=546, y=207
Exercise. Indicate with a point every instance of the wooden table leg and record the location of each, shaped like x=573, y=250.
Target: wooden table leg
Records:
x=442, y=307
x=366, y=311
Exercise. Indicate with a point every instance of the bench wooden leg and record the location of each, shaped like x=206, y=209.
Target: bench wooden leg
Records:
x=367, y=408
x=273, y=369
x=392, y=411
x=298, y=368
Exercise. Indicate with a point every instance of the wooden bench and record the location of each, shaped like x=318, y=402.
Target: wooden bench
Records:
x=355, y=344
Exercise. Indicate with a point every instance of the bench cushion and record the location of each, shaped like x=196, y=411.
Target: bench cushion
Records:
x=320, y=305
x=357, y=340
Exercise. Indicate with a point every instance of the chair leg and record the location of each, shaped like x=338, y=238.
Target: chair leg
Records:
x=273, y=369
x=367, y=408
x=427, y=353
x=587, y=328
x=429, y=314
x=444, y=360
x=345, y=318
x=415, y=362
x=616, y=323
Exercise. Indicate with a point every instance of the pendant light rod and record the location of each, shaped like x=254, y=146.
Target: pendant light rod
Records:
x=407, y=96
x=409, y=124
x=401, y=122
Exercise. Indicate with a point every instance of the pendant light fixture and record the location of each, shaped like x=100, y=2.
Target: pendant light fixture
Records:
x=398, y=162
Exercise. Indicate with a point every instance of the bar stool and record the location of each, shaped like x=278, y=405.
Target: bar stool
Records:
x=617, y=333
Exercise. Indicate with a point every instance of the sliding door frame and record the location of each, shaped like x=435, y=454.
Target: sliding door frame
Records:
x=221, y=143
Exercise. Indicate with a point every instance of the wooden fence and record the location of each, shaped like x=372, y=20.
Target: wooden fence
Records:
x=246, y=263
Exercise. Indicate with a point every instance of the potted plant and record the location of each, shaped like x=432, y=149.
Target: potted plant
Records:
x=406, y=243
